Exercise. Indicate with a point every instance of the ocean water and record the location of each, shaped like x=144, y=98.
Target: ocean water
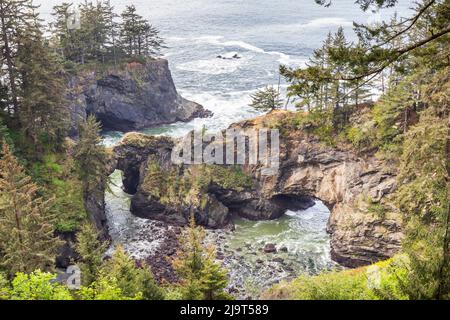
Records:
x=263, y=34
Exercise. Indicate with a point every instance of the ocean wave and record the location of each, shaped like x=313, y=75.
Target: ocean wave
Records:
x=212, y=66
x=219, y=41
x=282, y=57
x=327, y=22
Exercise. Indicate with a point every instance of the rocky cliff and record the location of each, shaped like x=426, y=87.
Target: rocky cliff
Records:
x=129, y=97
x=349, y=184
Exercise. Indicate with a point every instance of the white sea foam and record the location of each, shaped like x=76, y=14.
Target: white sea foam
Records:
x=327, y=22
x=227, y=108
x=212, y=66
x=282, y=57
x=216, y=67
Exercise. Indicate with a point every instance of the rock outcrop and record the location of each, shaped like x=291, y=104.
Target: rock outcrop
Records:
x=349, y=184
x=130, y=97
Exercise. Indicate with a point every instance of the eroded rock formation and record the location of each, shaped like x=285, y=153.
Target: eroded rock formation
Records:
x=349, y=184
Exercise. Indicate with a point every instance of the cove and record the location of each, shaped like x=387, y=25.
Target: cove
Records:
x=300, y=238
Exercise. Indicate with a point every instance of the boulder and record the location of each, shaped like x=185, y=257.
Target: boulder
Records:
x=270, y=248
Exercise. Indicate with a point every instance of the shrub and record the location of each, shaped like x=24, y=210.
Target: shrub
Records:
x=37, y=286
x=382, y=280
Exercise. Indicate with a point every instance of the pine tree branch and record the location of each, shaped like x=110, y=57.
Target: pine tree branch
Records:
x=413, y=22
x=396, y=55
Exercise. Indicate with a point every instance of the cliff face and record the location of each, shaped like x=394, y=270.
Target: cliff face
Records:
x=351, y=186
x=130, y=97
x=347, y=183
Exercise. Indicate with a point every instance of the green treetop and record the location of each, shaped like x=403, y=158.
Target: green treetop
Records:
x=27, y=240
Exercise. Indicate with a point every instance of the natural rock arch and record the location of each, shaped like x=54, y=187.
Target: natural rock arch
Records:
x=347, y=183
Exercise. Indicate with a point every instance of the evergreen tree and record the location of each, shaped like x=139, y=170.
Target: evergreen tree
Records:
x=105, y=288
x=338, y=53
x=202, y=278
x=4, y=134
x=424, y=199
x=91, y=158
x=15, y=15
x=131, y=280
x=138, y=36
x=64, y=37
x=43, y=114
x=112, y=26
x=93, y=31
x=102, y=38
x=27, y=241
x=266, y=99
x=91, y=251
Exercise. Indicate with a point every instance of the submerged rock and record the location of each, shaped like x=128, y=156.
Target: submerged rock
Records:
x=270, y=248
x=278, y=260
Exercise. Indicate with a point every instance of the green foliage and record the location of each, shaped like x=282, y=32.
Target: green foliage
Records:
x=360, y=135
x=137, y=35
x=377, y=208
x=382, y=280
x=131, y=280
x=319, y=123
x=166, y=186
x=56, y=175
x=91, y=251
x=105, y=288
x=266, y=99
x=201, y=277
x=318, y=86
x=101, y=37
x=174, y=293
x=37, y=285
x=43, y=115
x=27, y=240
x=389, y=279
x=350, y=285
x=5, y=134
x=4, y=287
x=190, y=186
x=142, y=141
x=232, y=177
x=423, y=198
x=91, y=158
